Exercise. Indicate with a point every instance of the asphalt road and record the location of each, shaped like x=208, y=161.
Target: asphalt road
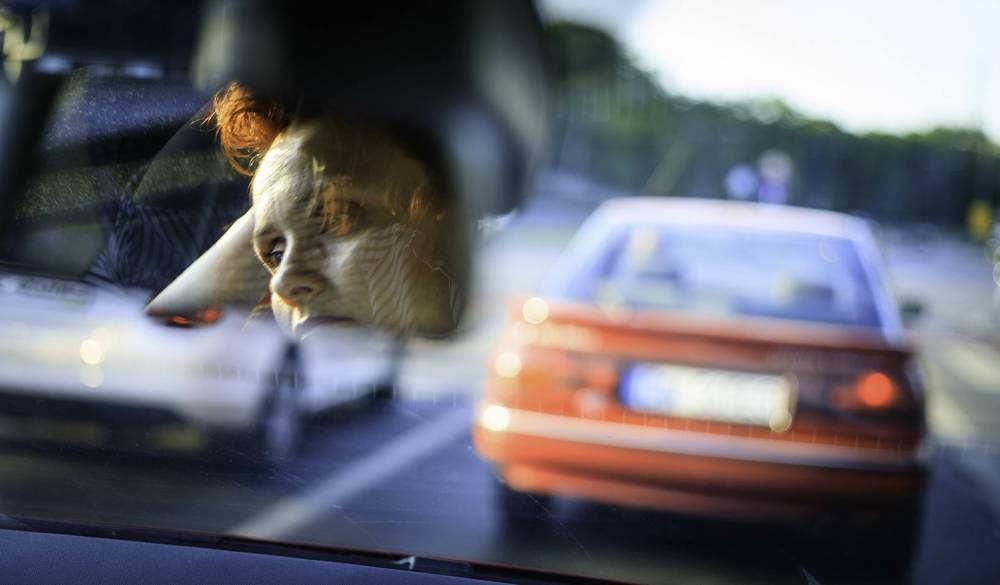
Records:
x=403, y=477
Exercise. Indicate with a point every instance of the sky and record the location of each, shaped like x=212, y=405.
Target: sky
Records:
x=877, y=65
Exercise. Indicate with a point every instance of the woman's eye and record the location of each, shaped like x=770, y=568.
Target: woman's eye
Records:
x=274, y=257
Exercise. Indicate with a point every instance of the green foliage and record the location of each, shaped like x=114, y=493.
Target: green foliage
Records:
x=618, y=125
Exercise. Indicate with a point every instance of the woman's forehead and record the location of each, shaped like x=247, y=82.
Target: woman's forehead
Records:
x=309, y=159
x=285, y=169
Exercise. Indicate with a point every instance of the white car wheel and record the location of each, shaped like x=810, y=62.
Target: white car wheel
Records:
x=280, y=428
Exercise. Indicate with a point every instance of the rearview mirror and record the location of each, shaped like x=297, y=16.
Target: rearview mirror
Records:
x=347, y=222
x=436, y=126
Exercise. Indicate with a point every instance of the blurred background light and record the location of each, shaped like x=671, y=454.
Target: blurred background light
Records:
x=535, y=310
x=92, y=352
x=508, y=364
x=496, y=418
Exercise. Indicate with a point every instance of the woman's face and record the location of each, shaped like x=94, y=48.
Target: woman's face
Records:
x=336, y=246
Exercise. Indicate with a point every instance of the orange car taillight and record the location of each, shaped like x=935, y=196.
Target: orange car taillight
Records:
x=203, y=317
x=539, y=351
x=543, y=367
x=876, y=390
x=870, y=391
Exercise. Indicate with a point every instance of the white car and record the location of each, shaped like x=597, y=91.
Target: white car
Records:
x=82, y=361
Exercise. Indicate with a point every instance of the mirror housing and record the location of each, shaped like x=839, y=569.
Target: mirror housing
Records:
x=462, y=82
x=467, y=76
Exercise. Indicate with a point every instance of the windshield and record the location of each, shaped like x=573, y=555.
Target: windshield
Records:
x=707, y=271
x=647, y=291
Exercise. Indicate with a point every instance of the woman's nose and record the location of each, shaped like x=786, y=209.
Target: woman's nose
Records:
x=296, y=286
x=296, y=280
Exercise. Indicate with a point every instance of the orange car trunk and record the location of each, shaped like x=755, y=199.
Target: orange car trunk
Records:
x=848, y=387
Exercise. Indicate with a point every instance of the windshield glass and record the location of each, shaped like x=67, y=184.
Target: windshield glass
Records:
x=646, y=291
x=707, y=271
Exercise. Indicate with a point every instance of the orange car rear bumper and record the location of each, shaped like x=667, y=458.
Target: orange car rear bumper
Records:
x=690, y=472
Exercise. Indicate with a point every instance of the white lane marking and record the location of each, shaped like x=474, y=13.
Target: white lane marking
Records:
x=294, y=512
x=976, y=364
x=962, y=378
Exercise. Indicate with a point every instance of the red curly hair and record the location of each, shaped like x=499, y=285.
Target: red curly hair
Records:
x=246, y=126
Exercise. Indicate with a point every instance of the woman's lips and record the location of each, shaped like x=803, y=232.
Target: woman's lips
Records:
x=304, y=326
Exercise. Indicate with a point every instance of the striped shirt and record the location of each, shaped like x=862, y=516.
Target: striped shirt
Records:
x=149, y=246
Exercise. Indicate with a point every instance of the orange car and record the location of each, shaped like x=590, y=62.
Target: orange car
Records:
x=709, y=357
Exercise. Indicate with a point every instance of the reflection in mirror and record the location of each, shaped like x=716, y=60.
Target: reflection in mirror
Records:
x=346, y=223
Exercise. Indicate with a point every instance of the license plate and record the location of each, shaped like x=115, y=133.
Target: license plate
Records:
x=709, y=394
